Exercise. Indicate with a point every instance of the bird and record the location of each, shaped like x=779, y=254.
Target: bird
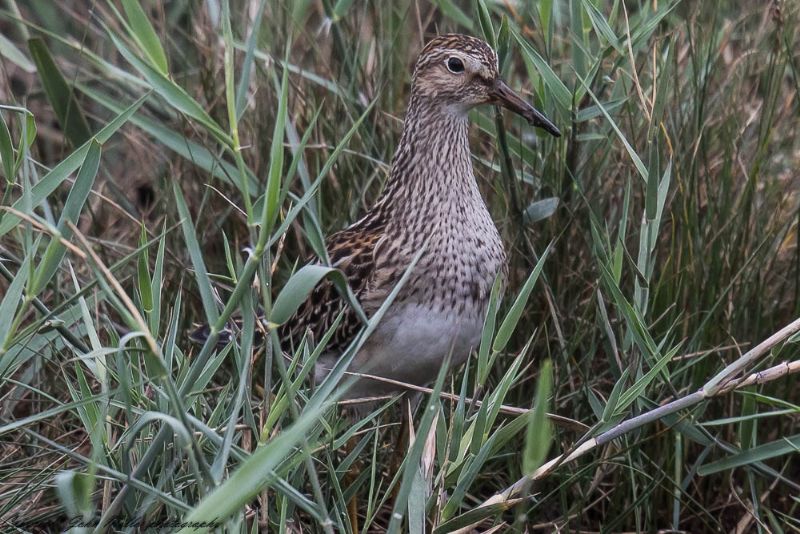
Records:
x=430, y=202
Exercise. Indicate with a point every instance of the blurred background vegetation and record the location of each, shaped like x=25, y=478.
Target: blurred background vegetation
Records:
x=157, y=155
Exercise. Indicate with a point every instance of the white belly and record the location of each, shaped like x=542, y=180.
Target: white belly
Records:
x=410, y=345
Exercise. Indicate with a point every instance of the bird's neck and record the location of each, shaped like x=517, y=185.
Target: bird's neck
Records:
x=431, y=169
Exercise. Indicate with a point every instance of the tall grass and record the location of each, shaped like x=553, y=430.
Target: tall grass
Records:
x=167, y=163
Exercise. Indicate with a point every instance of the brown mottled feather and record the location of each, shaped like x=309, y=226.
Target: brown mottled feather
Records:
x=352, y=252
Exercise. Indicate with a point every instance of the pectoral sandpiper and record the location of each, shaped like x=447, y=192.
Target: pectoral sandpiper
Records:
x=431, y=197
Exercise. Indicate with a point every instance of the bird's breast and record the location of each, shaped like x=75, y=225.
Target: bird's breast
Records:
x=463, y=256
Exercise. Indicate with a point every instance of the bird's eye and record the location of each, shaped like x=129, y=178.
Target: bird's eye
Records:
x=455, y=65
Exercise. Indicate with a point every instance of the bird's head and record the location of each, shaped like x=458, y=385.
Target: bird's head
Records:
x=460, y=72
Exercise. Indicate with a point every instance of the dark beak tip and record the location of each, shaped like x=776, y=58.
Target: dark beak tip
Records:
x=502, y=95
x=545, y=125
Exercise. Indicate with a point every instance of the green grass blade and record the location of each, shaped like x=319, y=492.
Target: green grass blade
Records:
x=767, y=451
x=9, y=304
x=485, y=20
x=195, y=253
x=580, y=54
x=145, y=35
x=546, y=20
x=601, y=25
x=469, y=474
x=474, y=516
x=272, y=194
x=60, y=94
x=539, y=434
x=249, y=56
x=11, y=52
x=78, y=194
x=613, y=399
x=487, y=333
x=143, y=274
x=157, y=285
x=6, y=151
x=509, y=323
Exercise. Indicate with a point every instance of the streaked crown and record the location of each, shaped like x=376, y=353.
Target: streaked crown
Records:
x=464, y=47
x=457, y=68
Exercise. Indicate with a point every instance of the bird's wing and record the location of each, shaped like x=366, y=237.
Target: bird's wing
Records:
x=352, y=251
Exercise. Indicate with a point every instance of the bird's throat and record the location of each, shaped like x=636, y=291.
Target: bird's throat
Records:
x=432, y=167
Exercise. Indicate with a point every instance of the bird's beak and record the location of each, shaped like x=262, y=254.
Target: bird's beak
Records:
x=502, y=95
